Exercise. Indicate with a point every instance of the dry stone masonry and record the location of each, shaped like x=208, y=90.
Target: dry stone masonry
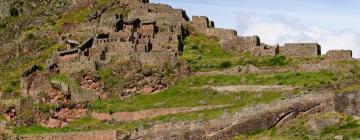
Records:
x=300, y=50
x=231, y=42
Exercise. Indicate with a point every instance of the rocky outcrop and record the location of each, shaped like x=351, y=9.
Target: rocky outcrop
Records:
x=348, y=103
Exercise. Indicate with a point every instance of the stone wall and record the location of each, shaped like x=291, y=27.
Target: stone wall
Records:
x=264, y=50
x=73, y=67
x=4, y=9
x=339, y=55
x=243, y=44
x=230, y=41
x=69, y=27
x=80, y=95
x=108, y=22
x=222, y=34
x=157, y=58
x=165, y=41
x=300, y=50
x=162, y=13
x=95, y=135
x=201, y=23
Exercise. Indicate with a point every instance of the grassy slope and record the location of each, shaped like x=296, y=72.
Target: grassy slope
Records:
x=41, y=48
x=204, y=54
x=186, y=93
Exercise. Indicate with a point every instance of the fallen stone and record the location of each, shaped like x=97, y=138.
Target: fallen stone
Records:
x=54, y=123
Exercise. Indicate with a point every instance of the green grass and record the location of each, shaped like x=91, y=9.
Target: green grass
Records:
x=101, y=1
x=204, y=53
x=76, y=16
x=187, y=94
x=111, y=82
x=306, y=79
x=239, y=100
x=11, y=71
x=83, y=124
x=176, y=96
x=66, y=79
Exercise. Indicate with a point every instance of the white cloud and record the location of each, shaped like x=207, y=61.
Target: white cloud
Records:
x=276, y=29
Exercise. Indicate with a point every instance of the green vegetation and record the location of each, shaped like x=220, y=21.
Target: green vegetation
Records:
x=306, y=79
x=99, y=2
x=205, y=54
x=111, y=82
x=14, y=12
x=81, y=124
x=170, y=98
x=202, y=53
x=266, y=61
x=189, y=92
x=11, y=71
x=239, y=100
x=66, y=79
x=12, y=86
x=329, y=126
x=76, y=16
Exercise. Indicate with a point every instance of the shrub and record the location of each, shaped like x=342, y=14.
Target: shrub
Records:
x=29, y=35
x=225, y=64
x=11, y=87
x=14, y=12
x=278, y=61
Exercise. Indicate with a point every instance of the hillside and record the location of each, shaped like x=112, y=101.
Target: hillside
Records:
x=132, y=69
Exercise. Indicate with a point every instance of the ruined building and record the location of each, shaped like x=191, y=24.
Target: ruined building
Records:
x=152, y=34
x=231, y=42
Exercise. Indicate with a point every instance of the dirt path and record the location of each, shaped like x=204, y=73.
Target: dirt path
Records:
x=148, y=114
x=252, y=88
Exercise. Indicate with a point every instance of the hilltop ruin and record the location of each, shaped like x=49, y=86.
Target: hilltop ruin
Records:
x=145, y=41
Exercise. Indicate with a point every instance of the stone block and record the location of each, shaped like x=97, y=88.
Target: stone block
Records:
x=339, y=55
x=300, y=50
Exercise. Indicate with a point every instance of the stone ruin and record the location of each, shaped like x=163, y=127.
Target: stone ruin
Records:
x=339, y=55
x=152, y=34
x=300, y=50
x=231, y=42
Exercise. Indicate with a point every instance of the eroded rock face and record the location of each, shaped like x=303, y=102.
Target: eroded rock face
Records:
x=348, y=103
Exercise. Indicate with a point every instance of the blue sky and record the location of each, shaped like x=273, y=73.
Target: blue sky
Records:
x=335, y=24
